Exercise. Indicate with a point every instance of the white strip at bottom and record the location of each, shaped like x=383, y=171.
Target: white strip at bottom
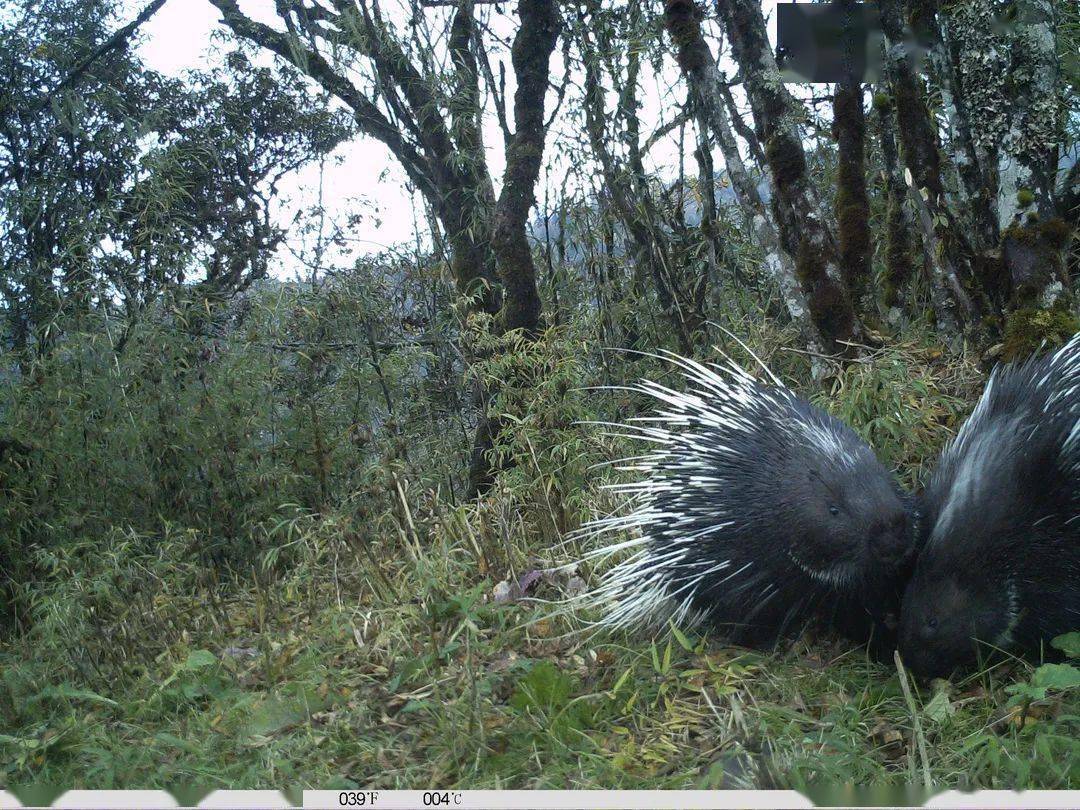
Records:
x=542, y=799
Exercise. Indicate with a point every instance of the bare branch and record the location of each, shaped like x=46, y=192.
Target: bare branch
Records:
x=684, y=115
x=560, y=91
x=370, y=119
x=740, y=126
x=498, y=89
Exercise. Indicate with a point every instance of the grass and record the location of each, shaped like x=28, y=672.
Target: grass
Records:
x=369, y=649
x=459, y=691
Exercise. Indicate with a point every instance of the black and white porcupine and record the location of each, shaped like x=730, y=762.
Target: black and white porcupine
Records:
x=754, y=513
x=1001, y=561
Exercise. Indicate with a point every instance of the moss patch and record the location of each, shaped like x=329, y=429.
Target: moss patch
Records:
x=1032, y=258
x=1053, y=233
x=682, y=18
x=898, y=264
x=1021, y=234
x=1029, y=329
x=786, y=160
x=1056, y=232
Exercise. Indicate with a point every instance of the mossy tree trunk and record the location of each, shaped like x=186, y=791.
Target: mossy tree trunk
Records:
x=898, y=264
x=1006, y=97
x=967, y=159
x=1033, y=234
x=803, y=223
x=711, y=98
x=1027, y=157
x=472, y=260
x=530, y=55
x=852, y=201
x=958, y=294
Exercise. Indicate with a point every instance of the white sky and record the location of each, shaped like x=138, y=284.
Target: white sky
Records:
x=178, y=38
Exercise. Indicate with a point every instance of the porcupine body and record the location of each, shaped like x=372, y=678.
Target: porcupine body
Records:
x=754, y=513
x=1001, y=560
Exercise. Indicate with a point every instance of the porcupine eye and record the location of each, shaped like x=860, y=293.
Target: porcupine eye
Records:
x=834, y=510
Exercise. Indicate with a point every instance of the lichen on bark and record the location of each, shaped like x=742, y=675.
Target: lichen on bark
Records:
x=798, y=211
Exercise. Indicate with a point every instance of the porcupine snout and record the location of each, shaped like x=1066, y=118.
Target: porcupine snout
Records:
x=891, y=545
x=888, y=517
x=892, y=538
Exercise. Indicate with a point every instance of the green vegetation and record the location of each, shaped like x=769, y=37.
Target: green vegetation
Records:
x=241, y=584
x=320, y=532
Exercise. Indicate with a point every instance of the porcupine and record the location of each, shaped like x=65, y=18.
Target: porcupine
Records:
x=755, y=514
x=1000, y=567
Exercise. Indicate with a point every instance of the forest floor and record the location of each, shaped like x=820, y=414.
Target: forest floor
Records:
x=386, y=660
x=464, y=692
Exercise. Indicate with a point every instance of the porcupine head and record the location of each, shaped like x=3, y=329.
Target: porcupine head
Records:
x=1000, y=568
x=852, y=527
x=962, y=600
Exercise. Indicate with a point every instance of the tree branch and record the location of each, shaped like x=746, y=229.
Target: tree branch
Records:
x=117, y=40
x=465, y=110
x=498, y=90
x=391, y=61
x=685, y=114
x=370, y=119
x=738, y=123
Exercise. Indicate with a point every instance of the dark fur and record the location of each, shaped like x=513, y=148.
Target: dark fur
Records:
x=1001, y=564
x=814, y=535
x=787, y=492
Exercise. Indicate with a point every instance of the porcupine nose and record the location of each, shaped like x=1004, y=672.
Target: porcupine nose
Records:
x=890, y=541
